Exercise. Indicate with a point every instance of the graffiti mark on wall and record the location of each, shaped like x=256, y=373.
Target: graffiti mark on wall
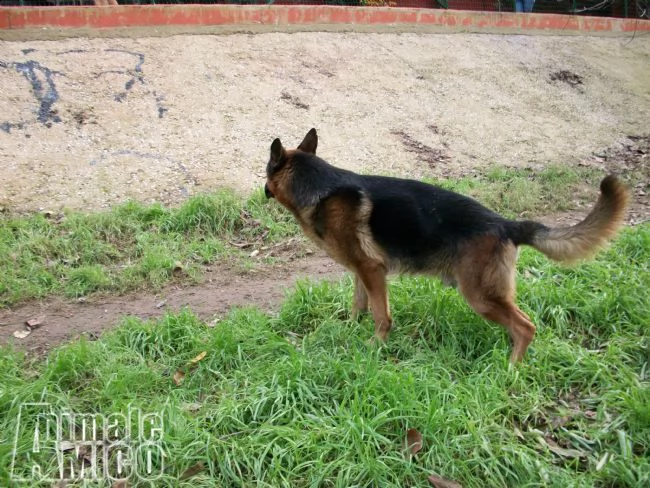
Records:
x=41, y=80
x=44, y=89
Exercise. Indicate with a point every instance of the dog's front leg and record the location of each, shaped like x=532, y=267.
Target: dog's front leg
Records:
x=360, y=300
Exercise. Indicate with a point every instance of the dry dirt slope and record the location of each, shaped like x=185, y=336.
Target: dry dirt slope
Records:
x=87, y=123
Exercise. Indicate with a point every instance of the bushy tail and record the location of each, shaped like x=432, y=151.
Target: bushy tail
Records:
x=583, y=240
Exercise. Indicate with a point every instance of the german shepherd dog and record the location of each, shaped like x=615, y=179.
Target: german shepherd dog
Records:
x=375, y=225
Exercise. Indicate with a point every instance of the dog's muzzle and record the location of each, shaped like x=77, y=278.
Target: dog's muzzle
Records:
x=267, y=192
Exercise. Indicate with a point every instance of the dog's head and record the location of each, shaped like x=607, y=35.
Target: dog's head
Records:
x=280, y=168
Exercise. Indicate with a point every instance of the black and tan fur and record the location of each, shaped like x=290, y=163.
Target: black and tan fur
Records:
x=375, y=225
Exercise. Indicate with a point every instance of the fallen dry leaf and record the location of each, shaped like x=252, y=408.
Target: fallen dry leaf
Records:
x=254, y=253
x=192, y=407
x=179, y=376
x=561, y=451
x=35, y=322
x=240, y=245
x=66, y=446
x=567, y=453
x=84, y=452
x=519, y=434
x=193, y=470
x=213, y=323
x=439, y=482
x=557, y=422
x=21, y=334
x=198, y=358
x=602, y=461
x=413, y=442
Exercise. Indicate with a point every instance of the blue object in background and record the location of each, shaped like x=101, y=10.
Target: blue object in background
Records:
x=524, y=5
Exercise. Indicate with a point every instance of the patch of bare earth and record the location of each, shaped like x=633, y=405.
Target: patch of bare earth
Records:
x=61, y=320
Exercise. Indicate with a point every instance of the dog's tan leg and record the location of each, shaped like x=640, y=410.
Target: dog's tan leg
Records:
x=486, y=277
x=508, y=315
x=523, y=315
x=373, y=277
x=360, y=300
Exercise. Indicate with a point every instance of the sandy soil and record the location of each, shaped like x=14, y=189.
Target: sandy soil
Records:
x=87, y=123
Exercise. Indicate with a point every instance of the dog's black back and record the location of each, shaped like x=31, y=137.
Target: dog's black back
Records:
x=413, y=220
x=417, y=224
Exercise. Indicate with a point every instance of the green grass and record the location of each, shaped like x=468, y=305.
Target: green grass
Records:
x=146, y=246
x=516, y=192
x=300, y=399
x=130, y=246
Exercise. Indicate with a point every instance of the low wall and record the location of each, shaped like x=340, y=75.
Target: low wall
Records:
x=284, y=17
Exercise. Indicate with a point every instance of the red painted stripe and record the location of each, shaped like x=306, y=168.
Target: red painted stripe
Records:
x=188, y=15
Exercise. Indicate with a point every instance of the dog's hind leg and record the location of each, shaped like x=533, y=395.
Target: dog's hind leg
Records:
x=506, y=313
x=486, y=277
x=373, y=277
x=360, y=300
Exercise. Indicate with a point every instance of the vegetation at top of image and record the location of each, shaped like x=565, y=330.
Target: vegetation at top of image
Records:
x=301, y=398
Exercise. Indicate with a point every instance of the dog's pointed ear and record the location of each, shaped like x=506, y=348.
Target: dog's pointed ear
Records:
x=310, y=142
x=277, y=151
